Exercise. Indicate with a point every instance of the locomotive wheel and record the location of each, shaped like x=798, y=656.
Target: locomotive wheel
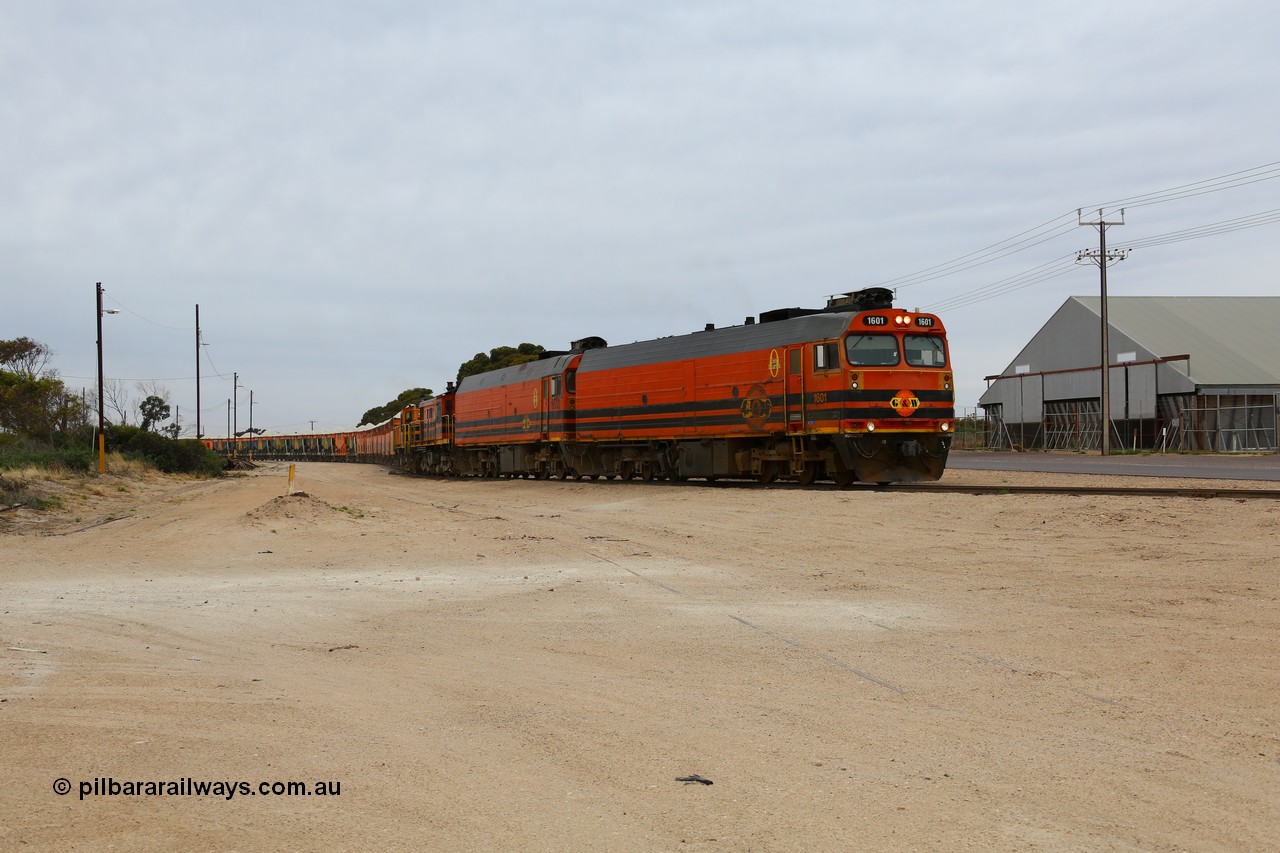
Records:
x=646, y=473
x=628, y=472
x=807, y=474
x=842, y=478
x=768, y=473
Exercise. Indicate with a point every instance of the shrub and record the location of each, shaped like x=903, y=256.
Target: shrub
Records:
x=17, y=452
x=186, y=455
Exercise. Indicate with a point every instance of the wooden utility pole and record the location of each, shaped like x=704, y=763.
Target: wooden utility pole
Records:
x=102, y=414
x=198, y=433
x=1102, y=258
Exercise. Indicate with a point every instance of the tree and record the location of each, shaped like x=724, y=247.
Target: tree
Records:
x=390, y=409
x=500, y=357
x=116, y=397
x=25, y=357
x=33, y=400
x=153, y=410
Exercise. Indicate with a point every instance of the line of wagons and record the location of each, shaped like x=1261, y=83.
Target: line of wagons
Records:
x=857, y=391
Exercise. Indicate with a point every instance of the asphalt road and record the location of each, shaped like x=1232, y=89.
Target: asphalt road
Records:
x=1209, y=466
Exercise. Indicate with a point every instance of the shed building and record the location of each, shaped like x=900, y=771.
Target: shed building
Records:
x=1186, y=373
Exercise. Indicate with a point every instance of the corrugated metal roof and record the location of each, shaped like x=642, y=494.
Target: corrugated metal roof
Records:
x=1232, y=340
x=518, y=373
x=813, y=327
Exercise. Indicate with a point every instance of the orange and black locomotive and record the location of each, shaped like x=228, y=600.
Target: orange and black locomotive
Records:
x=856, y=391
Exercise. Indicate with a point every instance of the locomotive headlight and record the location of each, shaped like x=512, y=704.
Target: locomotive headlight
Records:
x=946, y=427
x=871, y=426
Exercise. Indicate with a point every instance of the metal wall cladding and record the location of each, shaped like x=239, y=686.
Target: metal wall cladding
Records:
x=513, y=405
x=717, y=383
x=376, y=441
x=435, y=415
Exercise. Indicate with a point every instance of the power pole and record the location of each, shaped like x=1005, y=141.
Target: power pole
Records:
x=102, y=416
x=1102, y=258
x=235, y=404
x=198, y=433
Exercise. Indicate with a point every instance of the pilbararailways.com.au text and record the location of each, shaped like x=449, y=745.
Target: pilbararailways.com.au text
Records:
x=188, y=787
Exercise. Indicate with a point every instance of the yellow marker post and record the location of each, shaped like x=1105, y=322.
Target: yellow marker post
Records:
x=292, y=467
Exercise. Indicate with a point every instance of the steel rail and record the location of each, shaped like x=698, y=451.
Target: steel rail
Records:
x=1128, y=491
x=953, y=488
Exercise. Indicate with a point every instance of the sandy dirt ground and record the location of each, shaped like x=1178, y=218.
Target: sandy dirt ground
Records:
x=494, y=665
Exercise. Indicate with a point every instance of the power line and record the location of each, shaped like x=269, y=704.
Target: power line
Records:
x=1265, y=172
x=1019, y=281
x=124, y=307
x=1064, y=224
x=216, y=372
x=1035, y=275
x=1242, y=223
x=148, y=379
x=996, y=251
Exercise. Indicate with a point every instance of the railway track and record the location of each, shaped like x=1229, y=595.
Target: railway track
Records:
x=1129, y=491
x=958, y=488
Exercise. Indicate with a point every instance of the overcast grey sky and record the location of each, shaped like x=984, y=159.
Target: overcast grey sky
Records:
x=360, y=196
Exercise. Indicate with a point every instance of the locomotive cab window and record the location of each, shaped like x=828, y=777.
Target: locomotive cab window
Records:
x=925, y=351
x=871, y=350
x=825, y=357
x=555, y=386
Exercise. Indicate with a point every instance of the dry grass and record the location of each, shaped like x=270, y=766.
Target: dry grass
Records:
x=121, y=467
x=46, y=489
x=116, y=465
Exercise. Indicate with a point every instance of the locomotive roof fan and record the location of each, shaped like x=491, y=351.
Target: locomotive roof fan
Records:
x=587, y=343
x=867, y=299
